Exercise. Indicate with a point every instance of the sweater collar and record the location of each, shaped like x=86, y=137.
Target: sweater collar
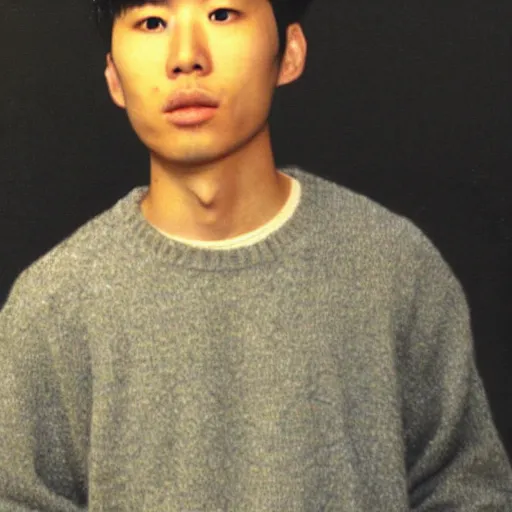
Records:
x=290, y=238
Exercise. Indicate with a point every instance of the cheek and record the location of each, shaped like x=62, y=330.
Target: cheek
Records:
x=250, y=57
x=256, y=78
x=251, y=107
x=144, y=101
x=142, y=95
x=138, y=70
x=248, y=77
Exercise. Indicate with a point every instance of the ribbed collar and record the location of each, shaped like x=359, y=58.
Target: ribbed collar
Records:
x=289, y=239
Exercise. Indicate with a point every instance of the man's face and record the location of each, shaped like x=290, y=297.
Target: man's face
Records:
x=227, y=48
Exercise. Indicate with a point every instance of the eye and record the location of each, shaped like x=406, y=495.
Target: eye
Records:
x=223, y=11
x=152, y=23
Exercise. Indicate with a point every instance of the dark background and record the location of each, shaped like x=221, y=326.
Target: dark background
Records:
x=406, y=102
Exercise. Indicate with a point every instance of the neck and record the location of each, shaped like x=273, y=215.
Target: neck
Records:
x=216, y=201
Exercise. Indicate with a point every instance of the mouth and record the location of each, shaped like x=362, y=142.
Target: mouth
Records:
x=191, y=116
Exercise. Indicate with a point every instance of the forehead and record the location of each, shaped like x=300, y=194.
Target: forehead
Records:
x=128, y=4
x=122, y=8
x=125, y=5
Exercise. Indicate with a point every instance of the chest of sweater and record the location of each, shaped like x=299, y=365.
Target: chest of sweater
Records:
x=223, y=394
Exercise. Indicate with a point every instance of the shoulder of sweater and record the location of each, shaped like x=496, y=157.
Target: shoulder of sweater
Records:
x=362, y=223
x=390, y=247
x=366, y=217
x=61, y=269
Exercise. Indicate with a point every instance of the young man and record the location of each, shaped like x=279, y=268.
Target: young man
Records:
x=237, y=337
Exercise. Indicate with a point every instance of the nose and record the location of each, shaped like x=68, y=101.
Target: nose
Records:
x=188, y=49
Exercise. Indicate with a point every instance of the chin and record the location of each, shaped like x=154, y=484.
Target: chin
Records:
x=187, y=159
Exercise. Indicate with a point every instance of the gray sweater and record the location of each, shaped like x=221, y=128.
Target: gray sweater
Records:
x=329, y=367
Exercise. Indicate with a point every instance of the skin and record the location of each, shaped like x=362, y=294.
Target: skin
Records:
x=216, y=180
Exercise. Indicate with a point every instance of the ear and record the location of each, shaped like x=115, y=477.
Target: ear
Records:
x=114, y=84
x=294, y=58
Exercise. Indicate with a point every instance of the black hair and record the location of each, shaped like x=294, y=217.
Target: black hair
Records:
x=286, y=12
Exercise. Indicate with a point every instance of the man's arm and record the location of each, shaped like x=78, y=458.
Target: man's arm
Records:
x=35, y=466
x=455, y=457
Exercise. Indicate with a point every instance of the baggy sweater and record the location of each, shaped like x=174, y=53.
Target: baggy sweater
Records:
x=328, y=367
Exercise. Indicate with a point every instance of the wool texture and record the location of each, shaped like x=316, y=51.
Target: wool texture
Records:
x=328, y=367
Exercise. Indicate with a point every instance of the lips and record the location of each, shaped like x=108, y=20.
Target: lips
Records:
x=190, y=98
x=190, y=116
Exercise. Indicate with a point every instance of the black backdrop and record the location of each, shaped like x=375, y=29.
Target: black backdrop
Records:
x=406, y=102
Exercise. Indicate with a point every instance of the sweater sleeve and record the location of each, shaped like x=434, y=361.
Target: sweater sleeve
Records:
x=35, y=455
x=454, y=455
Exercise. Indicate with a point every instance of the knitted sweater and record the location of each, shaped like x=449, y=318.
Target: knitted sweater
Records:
x=327, y=367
